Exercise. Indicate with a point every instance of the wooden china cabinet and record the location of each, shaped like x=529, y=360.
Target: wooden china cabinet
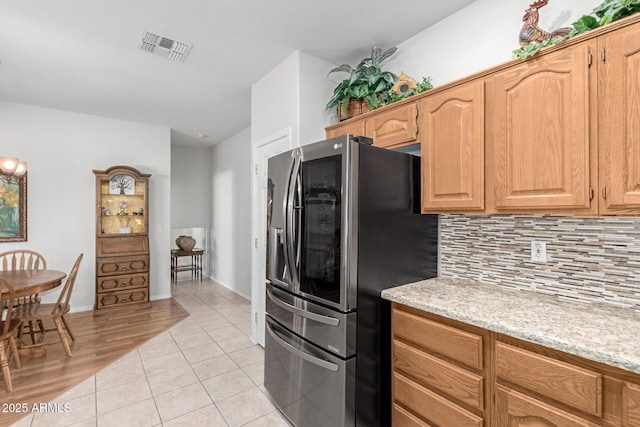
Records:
x=122, y=238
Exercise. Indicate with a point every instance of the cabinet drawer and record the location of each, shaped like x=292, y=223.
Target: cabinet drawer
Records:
x=122, y=245
x=121, y=298
x=393, y=127
x=403, y=418
x=456, y=344
x=516, y=409
x=431, y=406
x=122, y=265
x=114, y=283
x=630, y=405
x=430, y=371
x=576, y=387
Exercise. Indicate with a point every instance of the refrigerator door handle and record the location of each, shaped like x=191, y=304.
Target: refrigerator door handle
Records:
x=291, y=227
x=286, y=229
x=320, y=318
x=298, y=208
x=301, y=354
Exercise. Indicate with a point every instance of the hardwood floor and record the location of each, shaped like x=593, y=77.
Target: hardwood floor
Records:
x=100, y=340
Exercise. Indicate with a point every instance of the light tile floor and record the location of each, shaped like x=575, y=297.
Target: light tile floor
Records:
x=204, y=371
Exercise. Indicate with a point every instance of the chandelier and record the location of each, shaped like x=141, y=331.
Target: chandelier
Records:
x=12, y=166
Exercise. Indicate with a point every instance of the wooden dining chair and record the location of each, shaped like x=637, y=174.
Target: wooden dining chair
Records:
x=23, y=259
x=53, y=312
x=8, y=328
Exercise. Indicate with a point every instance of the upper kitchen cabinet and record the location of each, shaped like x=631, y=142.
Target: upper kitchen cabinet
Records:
x=393, y=127
x=619, y=120
x=389, y=127
x=353, y=126
x=540, y=131
x=452, y=149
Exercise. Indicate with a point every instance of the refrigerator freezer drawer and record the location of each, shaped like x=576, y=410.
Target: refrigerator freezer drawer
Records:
x=329, y=329
x=311, y=387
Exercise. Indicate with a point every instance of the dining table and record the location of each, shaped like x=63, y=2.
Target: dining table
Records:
x=31, y=282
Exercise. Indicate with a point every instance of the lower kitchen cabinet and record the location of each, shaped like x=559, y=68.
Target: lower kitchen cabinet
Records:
x=630, y=404
x=438, y=371
x=517, y=409
x=450, y=374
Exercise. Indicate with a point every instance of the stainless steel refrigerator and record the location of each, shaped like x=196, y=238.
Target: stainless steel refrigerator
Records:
x=343, y=224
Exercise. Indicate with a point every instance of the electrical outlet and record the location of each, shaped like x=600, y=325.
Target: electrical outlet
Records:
x=538, y=251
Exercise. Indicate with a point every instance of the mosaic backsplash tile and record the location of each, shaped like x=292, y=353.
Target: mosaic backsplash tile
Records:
x=588, y=259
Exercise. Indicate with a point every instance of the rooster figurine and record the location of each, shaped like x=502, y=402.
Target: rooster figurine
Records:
x=530, y=31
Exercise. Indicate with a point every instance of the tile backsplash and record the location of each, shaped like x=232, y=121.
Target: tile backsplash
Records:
x=588, y=259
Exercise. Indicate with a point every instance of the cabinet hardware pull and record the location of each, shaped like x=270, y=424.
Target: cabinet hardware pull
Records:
x=603, y=54
x=604, y=193
x=123, y=284
x=124, y=300
x=589, y=59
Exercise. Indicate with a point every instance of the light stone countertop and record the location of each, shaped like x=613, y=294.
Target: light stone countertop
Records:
x=598, y=332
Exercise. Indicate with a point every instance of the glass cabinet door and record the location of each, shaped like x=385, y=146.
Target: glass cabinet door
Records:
x=122, y=204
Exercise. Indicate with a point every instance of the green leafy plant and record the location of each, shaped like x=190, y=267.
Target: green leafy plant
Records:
x=424, y=85
x=366, y=81
x=605, y=13
x=533, y=47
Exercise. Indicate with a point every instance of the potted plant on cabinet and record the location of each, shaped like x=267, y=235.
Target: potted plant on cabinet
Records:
x=367, y=86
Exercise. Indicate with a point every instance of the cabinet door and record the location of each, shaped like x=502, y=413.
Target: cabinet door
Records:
x=541, y=133
x=453, y=149
x=353, y=126
x=393, y=127
x=630, y=405
x=619, y=119
x=518, y=410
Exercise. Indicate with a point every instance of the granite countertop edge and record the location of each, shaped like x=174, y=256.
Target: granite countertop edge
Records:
x=598, y=332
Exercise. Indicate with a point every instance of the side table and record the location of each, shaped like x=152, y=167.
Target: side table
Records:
x=195, y=267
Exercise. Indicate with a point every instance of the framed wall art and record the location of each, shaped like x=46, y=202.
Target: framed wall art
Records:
x=13, y=208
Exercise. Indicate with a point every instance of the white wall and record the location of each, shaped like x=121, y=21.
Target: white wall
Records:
x=230, y=254
x=293, y=94
x=274, y=100
x=190, y=186
x=477, y=37
x=62, y=149
x=315, y=90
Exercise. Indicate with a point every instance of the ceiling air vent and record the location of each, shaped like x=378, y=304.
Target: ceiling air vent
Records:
x=164, y=46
